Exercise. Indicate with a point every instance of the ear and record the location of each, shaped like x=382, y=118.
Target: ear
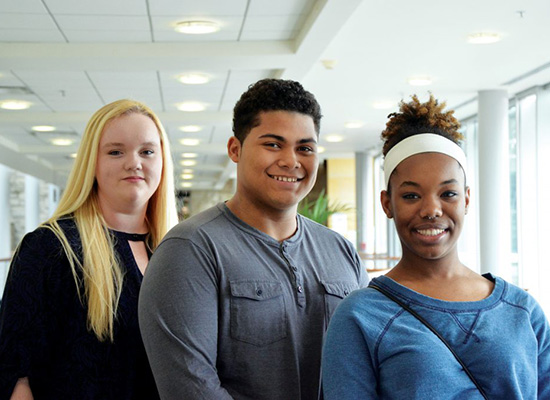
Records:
x=234, y=149
x=467, y=199
x=385, y=200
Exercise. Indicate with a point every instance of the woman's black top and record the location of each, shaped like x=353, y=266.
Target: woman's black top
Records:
x=43, y=333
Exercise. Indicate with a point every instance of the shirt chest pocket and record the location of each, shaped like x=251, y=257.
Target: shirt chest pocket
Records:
x=258, y=312
x=335, y=292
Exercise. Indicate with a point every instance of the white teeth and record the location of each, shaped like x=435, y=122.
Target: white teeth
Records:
x=284, y=179
x=430, y=232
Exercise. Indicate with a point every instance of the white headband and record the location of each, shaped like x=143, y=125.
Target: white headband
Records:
x=422, y=143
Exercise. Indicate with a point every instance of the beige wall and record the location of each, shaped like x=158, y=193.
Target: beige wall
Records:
x=341, y=189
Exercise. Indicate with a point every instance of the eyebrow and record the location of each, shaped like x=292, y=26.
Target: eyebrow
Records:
x=117, y=144
x=282, y=139
x=412, y=183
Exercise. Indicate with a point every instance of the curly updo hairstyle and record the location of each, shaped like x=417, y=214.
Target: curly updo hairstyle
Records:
x=416, y=117
x=273, y=95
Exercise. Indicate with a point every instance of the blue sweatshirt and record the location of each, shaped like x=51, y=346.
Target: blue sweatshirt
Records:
x=375, y=349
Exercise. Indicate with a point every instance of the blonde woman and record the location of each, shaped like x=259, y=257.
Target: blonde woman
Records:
x=68, y=322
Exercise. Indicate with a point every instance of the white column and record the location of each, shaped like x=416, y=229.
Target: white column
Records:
x=5, y=217
x=494, y=182
x=365, y=201
x=543, y=190
x=361, y=176
x=5, y=224
x=32, y=203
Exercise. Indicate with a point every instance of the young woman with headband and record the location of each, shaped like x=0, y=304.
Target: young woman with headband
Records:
x=431, y=328
x=68, y=322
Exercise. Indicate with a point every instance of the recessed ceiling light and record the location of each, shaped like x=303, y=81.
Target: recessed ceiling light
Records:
x=354, y=124
x=190, y=128
x=62, y=142
x=72, y=155
x=320, y=149
x=189, y=155
x=420, y=80
x=334, y=138
x=383, y=105
x=15, y=104
x=43, y=128
x=191, y=106
x=193, y=78
x=188, y=163
x=329, y=64
x=190, y=142
x=186, y=176
x=197, y=27
x=187, y=184
x=483, y=37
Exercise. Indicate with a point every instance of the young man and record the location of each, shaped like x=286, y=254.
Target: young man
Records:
x=237, y=299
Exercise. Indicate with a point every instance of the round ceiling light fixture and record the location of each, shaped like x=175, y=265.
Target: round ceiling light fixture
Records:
x=334, y=138
x=15, y=104
x=191, y=106
x=420, y=81
x=483, y=38
x=190, y=128
x=194, y=78
x=188, y=163
x=354, y=124
x=62, y=142
x=43, y=128
x=197, y=27
x=190, y=141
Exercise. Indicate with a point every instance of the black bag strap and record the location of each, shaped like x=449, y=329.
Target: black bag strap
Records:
x=431, y=328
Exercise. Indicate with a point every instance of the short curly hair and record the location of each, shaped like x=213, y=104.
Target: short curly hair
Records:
x=415, y=118
x=273, y=95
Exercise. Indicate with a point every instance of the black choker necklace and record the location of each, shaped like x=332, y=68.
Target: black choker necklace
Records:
x=134, y=237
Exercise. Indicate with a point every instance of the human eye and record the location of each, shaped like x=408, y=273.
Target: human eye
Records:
x=272, y=145
x=114, y=152
x=410, y=196
x=306, y=149
x=148, y=152
x=449, y=194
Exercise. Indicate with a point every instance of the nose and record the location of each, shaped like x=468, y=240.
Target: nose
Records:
x=132, y=162
x=289, y=159
x=431, y=208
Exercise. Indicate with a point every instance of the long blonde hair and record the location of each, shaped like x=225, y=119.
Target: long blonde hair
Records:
x=101, y=272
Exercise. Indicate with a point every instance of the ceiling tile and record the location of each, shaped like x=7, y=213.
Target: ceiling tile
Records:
x=97, y=7
x=103, y=23
x=22, y=6
x=280, y=7
x=55, y=80
x=35, y=35
x=26, y=21
x=268, y=35
x=272, y=22
x=123, y=80
x=197, y=8
x=106, y=36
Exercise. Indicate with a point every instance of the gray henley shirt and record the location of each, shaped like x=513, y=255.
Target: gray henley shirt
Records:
x=228, y=312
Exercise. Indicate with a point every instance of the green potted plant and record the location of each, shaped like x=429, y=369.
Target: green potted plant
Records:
x=321, y=208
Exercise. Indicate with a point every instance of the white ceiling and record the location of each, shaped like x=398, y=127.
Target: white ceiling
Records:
x=72, y=57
